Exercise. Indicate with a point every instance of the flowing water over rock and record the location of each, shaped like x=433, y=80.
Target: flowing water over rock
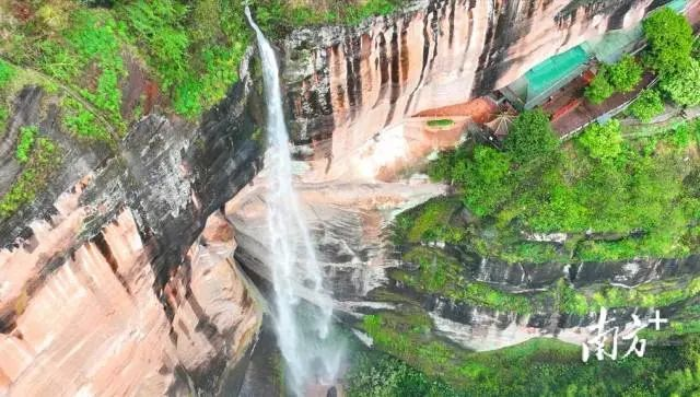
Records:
x=302, y=330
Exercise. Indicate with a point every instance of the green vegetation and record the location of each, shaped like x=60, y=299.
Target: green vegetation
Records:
x=602, y=142
x=670, y=54
x=81, y=122
x=284, y=15
x=622, y=76
x=600, y=88
x=409, y=336
x=440, y=274
x=539, y=367
x=625, y=74
x=647, y=106
x=431, y=223
x=441, y=123
x=44, y=159
x=530, y=138
x=656, y=294
x=684, y=87
x=484, y=174
x=27, y=135
x=86, y=55
x=670, y=39
x=6, y=73
x=615, y=198
x=377, y=375
x=193, y=49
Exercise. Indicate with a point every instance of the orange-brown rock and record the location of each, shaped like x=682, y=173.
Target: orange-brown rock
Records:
x=91, y=323
x=346, y=85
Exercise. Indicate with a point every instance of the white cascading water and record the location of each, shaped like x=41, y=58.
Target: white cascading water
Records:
x=302, y=332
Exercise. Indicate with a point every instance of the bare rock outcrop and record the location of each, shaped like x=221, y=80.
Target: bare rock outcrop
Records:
x=347, y=84
x=90, y=321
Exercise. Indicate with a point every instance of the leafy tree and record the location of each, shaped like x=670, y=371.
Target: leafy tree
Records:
x=684, y=87
x=625, y=74
x=648, y=105
x=670, y=38
x=600, y=88
x=531, y=136
x=485, y=179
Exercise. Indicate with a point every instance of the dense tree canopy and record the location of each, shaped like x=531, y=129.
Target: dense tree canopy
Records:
x=601, y=184
x=670, y=40
x=531, y=137
x=684, y=88
x=648, y=105
x=602, y=142
x=622, y=76
x=600, y=88
x=625, y=74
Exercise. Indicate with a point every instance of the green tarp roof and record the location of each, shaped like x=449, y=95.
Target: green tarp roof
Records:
x=555, y=72
x=610, y=47
x=550, y=73
x=677, y=5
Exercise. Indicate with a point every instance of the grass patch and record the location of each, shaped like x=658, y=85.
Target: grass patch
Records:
x=7, y=72
x=82, y=123
x=440, y=123
x=45, y=158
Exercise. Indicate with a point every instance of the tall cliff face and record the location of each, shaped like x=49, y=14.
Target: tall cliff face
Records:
x=352, y=93
x=118, y=280
x=92, y=322
x=346, y=84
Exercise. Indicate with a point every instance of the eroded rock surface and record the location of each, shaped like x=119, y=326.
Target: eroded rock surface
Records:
x=105, y=285
x=93, y=324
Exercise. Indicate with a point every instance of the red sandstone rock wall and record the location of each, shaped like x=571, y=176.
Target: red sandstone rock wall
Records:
x=346, y=85
x=91, y=323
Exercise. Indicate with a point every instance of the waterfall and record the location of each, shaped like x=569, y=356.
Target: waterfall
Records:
x=302, y=330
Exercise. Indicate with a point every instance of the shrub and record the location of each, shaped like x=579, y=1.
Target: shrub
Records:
x=647, y=106
x=27, y=135
x=485, y=180
x=81, y=122
x=389, y=377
